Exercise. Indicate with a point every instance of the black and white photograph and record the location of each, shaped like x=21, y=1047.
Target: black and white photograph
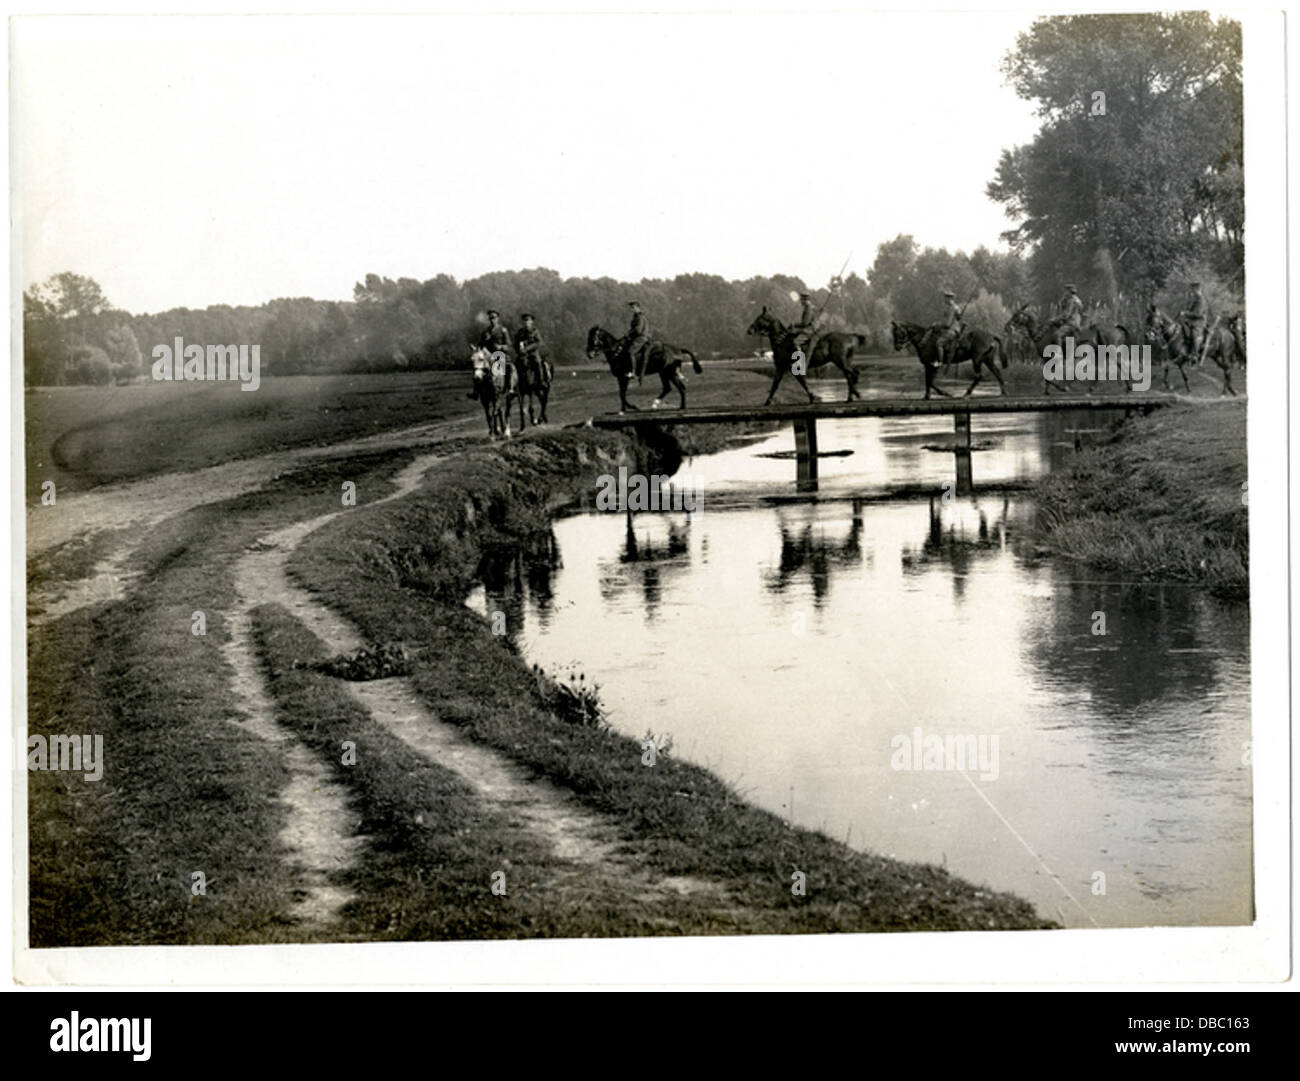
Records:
x=755, y=481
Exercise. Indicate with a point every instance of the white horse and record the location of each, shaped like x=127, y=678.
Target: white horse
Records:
x=496, y=385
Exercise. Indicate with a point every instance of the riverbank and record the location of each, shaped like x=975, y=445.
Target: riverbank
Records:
x=399, y=573
x=1162, y=497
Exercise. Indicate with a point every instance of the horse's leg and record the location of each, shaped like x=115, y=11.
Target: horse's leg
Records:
x=681, y=384
x=993, y=367
x=804, y=383
x=623, y=404
x=664, y=386
x=976, y=368
x=848, y=378
x=776, y=382
x=1227, y=376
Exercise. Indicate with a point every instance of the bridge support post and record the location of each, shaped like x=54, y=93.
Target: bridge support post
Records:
x=962, y=448
x=805, y=451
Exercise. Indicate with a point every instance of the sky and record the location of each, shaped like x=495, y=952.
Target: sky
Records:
x=194, y=161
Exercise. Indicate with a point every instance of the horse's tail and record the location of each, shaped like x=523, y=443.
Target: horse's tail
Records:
x=861, y=340
x=694, y=363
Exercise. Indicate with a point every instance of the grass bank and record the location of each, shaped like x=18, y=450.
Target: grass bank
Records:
x=1160, y=497
x=185, y=787
x=399, y=573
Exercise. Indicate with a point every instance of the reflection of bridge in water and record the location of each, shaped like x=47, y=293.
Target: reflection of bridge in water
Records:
x=805, y=419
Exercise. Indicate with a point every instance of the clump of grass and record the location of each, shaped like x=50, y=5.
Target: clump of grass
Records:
x=368, y=662
x=574, y=701
x=1161, y=498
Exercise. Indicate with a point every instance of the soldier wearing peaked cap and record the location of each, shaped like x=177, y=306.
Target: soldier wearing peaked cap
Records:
x=638, y=337
x=951, y=327
x=1071, y=308
x=495, y=337
x=1193, y=318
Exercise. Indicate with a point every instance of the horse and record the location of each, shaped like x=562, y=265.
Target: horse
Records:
x=835, y=347
x=1223, y=345
x=1050, y=334
x=495, y=384
x=534, y=372
x=661, y=358
x=974, y=344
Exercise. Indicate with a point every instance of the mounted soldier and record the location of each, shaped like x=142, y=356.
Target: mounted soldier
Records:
x=638, y=337
x=1193, y=320
x=950, y=327
x=1070, y=311
x=528, y=341
x=533, y=368
x=804, y=332
x=495, y=337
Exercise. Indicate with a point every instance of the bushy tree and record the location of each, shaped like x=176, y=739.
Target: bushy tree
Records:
x=89, y=364
x=1138, y=163
x=123, y=352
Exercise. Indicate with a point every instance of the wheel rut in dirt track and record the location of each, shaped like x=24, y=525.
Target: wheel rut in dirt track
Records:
x=582, y=842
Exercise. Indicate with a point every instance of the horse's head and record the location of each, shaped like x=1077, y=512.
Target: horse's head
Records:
x=1021, y=319
x=597, y=342
x=763, y=323
x=900, y=336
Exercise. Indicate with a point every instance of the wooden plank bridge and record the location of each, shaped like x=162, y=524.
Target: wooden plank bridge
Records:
x=806, y=416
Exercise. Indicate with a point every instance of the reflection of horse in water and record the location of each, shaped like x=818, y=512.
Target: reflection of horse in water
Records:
x=802, y=549
x=954, y=545
x=647, y=561
x=646, y=551
x=515, y=573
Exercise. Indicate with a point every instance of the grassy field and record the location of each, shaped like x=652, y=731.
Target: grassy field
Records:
x=1162, y=497
x=81, y=437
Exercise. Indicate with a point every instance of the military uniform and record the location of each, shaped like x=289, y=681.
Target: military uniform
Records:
x=1071, y=307
x=1193, y=317
x=528, y=343
x=804, y=332
x=951, y=327
x=638, y=337
x=495, y=337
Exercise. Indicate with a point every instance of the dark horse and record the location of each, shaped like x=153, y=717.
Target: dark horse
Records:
x=978, y=346
x=534, y=372
x=661, y=358
x=836, y=347
x=1223, y=345
x=1052, y=333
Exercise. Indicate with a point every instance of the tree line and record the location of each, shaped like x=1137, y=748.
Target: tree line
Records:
x=1131, y=189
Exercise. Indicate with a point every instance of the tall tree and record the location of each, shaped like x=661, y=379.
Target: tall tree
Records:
x=1137, y=164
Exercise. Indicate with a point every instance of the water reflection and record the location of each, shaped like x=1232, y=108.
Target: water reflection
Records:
x=806, y=547
x=513, y=575
x=804, y=636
